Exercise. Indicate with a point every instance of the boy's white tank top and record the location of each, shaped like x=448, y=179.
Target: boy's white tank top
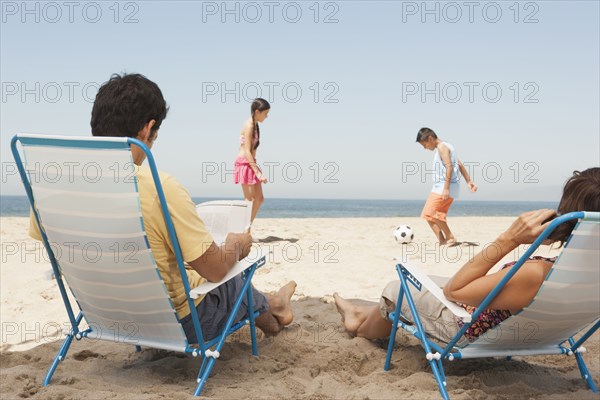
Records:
x=439, y=176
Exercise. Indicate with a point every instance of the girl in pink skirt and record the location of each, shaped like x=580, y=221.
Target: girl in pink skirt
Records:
x=247, y=173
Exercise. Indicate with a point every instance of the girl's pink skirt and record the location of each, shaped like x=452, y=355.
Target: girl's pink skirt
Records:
x=243, y=173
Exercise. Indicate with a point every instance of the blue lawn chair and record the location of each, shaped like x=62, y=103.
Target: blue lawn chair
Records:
x=83, y=194
x=567, y=304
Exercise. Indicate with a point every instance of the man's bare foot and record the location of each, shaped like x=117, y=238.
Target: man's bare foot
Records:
x=351, y=317
x=280, y=303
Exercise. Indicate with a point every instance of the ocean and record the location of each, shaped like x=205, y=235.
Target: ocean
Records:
x=18, y=206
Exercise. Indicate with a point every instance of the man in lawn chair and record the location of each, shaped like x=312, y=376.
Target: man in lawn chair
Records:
x=133, y=106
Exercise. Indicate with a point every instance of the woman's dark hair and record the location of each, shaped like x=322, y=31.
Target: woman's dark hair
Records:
x=125, y=104
x=258, y=105
x=581, y=193
x=425, y=133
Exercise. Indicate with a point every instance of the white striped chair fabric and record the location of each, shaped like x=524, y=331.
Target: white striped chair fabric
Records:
x=567, y=302
x=89, y=208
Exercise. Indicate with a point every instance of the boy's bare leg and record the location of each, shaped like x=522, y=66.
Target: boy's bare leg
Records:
x=280, y=313
x=437, y=231
x=450, y=239
x=362, y=321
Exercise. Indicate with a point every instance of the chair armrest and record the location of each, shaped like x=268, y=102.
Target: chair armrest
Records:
x=434, y=289
x=237, y=269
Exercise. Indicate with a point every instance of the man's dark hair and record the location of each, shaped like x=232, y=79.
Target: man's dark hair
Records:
x=425, y=133
x=125, y=104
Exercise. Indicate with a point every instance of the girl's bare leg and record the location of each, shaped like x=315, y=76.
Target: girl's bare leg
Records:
x=249, y=196
x=247, y=190
x=257, y=199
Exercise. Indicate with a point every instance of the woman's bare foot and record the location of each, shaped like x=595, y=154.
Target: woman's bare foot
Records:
x=280, y=303
x=351, y=315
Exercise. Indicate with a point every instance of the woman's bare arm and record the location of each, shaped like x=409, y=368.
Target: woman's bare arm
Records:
x=471, y=284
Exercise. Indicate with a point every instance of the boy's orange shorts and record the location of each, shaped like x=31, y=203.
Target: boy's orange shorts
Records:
x=436, y=208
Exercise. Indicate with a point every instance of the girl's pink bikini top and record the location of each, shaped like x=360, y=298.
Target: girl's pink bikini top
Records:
x=254, y=139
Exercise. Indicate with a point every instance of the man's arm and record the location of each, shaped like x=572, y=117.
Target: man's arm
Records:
x=216, y=262
x=197, y=245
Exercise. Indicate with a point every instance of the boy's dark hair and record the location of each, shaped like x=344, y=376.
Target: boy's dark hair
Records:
x=424, y=134
x=581, y=193
x=125, y=104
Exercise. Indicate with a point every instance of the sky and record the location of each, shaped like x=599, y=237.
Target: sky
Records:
x=514, y=86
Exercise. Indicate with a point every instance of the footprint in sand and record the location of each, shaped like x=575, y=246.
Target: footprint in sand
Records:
x=67, y=381
x=49, y=294
x=85, y=354
x=308, y=317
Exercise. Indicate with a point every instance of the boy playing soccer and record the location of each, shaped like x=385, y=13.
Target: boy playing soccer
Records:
x=445, y=184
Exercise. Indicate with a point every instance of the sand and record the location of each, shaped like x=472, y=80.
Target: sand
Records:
x=313, y=358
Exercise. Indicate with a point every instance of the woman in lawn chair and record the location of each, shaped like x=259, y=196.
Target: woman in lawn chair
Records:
x=471, y=284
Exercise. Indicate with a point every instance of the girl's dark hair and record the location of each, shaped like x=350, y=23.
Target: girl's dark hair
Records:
x=258, y=105
x=581, y=193
x=125, y=104
x=424, y=133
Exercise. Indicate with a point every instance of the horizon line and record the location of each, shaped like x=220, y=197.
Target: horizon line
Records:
x=334, y=198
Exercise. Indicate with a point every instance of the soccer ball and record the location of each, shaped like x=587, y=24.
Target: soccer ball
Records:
x=404, y=234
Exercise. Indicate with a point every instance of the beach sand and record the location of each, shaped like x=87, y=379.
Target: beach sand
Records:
x=313, y=358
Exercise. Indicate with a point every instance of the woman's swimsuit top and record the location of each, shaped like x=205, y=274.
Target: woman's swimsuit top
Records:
x=490, y=318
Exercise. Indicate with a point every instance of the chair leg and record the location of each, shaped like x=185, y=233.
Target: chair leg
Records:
x=64, y=349
x=251, y=320
x=202, y=367
x=438, y=373
x=207, y=365
x=390, y=350
x=585, y=373
x=62, y=353
x=441, y=370
x=395, y=317
x=438, y=370
x=205, y=371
